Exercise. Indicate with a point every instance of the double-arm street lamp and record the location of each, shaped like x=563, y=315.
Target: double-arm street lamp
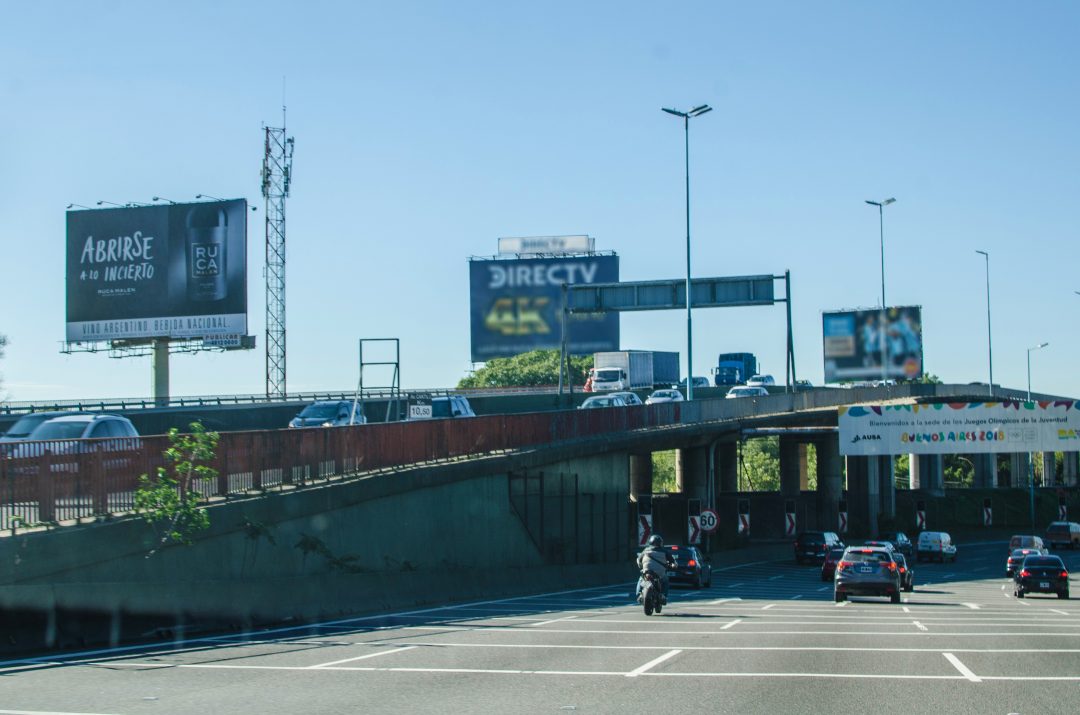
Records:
x=881, y=327
x=695, y=112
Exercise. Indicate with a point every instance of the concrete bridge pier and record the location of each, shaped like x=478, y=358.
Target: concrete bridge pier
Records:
x=830, y=480
x=1018, y=469
x=641, y=475
x=985, y=470
x=1071, y=468
x=887, y=485
x=864, y=497
x=793, y=474
x=1049, y=469
x=928, y=473
x=727, y=466
x=692, y=472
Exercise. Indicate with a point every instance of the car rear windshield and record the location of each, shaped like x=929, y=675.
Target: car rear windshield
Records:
x=681, y=556
x=869, y=557
x=1053, y=561
x=836, y=553
x=317, y=411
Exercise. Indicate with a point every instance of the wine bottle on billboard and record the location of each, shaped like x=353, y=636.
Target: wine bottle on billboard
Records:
x=207, y=233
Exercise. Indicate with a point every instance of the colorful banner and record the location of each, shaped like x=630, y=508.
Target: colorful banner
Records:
x=960, y=428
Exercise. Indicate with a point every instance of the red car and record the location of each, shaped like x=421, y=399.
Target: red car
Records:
x=828, y=566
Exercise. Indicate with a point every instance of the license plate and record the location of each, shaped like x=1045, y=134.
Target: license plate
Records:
x=866, y=569
x=1044, y=584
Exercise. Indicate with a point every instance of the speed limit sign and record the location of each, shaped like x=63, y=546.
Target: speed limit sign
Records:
x=709, y=520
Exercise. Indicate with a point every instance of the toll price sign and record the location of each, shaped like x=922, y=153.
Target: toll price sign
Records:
x=709, y=521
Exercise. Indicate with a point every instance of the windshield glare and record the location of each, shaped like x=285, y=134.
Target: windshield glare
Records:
x=60, y=430
x=318, y=411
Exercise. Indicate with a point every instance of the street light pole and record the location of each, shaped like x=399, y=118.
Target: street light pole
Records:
x=881, y=322
x=1031, y=463
x=989, y=335
x=695, y=112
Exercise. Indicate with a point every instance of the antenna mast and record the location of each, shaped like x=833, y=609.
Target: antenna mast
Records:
x=276, y=178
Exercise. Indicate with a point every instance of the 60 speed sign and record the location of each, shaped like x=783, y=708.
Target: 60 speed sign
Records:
x=709, y=520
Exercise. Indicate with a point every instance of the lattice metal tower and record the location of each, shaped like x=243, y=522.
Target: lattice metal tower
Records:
x=276, y=178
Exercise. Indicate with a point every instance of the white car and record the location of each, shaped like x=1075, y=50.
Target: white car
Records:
x=746, y=391
x=597, y=401
x=761, y=381
x=659, y=396
x=630, y=398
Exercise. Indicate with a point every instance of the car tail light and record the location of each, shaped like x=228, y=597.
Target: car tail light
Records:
x=844, y=565
x=903, y=570
x=691, y=562
x=891, y=565
x=1025, y=574
x=1064, y=574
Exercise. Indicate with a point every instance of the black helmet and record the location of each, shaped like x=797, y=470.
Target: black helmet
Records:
x=656, y=541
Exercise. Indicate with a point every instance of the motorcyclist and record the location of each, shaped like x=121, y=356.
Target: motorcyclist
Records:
x=654, y=558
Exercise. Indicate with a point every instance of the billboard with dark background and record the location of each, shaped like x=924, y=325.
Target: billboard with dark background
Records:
x=854, y=345
x=515, y=305
x=178, y=270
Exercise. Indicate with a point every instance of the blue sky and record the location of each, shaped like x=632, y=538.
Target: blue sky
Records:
x=424, y=131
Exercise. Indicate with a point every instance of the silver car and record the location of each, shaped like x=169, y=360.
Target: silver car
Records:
x=630, y=398
x=867, y=571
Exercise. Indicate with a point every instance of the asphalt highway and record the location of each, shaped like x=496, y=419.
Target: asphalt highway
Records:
x=766, y=638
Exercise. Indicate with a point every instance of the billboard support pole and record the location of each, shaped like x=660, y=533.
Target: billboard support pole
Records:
x=564, y=359
x=159, y=364
x=790, y=366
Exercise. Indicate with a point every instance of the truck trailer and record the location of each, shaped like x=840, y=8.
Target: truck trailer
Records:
x=633, y=370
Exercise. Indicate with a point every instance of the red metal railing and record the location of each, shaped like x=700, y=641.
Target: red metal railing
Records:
x=47, y=482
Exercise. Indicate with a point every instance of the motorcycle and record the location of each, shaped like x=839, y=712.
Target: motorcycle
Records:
x=652, y=593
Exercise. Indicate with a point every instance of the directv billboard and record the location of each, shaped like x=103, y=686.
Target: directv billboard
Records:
x=175, y=271
x=515, y=305
x=855, y=343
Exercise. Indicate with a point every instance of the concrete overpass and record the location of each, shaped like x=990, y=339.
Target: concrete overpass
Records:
x=364, y=518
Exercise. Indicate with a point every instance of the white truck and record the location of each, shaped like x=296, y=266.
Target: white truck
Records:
x=633, y=370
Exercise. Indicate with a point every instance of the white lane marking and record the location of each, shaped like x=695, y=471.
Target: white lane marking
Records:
x=765, y=608
x=907, y=610
x=735, y=585
x=740, y=566
x=796, y=597
x=609, y=595
x=948, y=575
x=964, y=670
x=920, y=626
x=776, y=578
x=553, y=620
x=38, y=712
x=842, y=604
x=1064, y=613
x=718, y=601
x=652, y=663
x=399, y=649
x=824, y=588
x=972, y=606
x=1023, y=603
x=731, y=623
x=1002, y=587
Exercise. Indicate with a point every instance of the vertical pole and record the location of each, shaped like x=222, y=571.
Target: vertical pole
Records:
x=790, y=335
x=689, y=325
x=160, y=367
x=881, y=327
x=989, y=333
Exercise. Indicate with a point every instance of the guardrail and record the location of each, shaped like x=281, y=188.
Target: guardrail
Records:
x=49, y=482
x=132, y=403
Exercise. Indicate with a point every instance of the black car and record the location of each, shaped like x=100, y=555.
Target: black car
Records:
x=1017, y=557
x=907, y=573
x=867, y=571
x=811, y=546
x=1041, y=574
x=900, y=541
x=691, y=566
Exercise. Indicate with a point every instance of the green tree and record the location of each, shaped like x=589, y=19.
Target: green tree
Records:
x=169, y=500
x=532, y=369
x=663, y=474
